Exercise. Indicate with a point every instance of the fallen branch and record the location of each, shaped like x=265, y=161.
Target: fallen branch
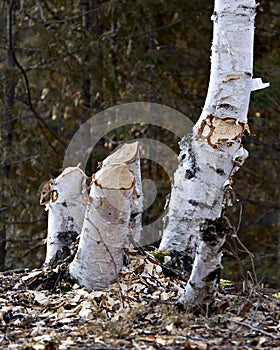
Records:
x=245, y=324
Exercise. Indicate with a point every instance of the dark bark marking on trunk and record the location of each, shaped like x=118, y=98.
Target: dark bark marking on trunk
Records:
x=186, y=146
x=220, y=171
x=192, y=284
x=212, y=275
x=193, y=202
x=227, y=107
x=67, y=237
x=211, y=229
x=189, y=174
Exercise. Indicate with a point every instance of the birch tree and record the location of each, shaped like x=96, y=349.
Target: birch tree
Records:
x=65, y=200
x=106, y=226
x=202, y=186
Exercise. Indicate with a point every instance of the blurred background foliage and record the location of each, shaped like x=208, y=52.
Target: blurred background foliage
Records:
x=62, y=62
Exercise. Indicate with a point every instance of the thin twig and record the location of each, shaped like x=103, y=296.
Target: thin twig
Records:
x=255, y=312
x=41, y=11
x=245, y=324
x=239, y=219
x=11, y=272
x=27, y=222
x=251, y=255
x=34, y=247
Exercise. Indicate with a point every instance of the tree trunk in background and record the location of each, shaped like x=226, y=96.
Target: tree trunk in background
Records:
x=90, y=96
x=65, y=200
x=90, y=23
x=278, y=228
x=7, y=115
x=278, y=250
x=213, y=153
x=2, y=248
x=106, y=225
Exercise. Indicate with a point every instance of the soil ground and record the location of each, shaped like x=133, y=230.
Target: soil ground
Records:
x=41, y=310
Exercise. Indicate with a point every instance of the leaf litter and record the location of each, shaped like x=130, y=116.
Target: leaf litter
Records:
x=43, y=310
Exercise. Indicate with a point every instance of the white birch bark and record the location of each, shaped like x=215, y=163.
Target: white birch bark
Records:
x=65, y=200
x=106, y=226
x=137, y=202
x=204, y=279
x=213, y=153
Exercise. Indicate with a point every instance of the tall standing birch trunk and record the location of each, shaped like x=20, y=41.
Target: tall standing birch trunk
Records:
x=213, y=153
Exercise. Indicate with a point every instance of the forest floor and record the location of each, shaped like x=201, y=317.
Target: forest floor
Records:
x=137, y=312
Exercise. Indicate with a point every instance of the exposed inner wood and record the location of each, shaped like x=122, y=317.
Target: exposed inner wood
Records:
x=125, y=154
x=217, y=130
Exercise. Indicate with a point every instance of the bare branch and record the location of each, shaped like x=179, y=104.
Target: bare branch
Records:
x=41, y=123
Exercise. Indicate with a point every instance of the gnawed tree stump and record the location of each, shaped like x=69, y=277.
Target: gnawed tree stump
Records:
x=65, y=200
x=137, y=195
x=107, y=221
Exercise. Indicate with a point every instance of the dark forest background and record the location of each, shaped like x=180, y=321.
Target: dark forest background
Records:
x=61, y=62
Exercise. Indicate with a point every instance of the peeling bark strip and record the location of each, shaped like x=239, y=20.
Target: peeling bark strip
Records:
x=106, y=226
x=65, y=200
x=213, y=153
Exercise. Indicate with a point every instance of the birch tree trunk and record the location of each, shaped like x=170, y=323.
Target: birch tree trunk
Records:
x=213, y=153
x=65, y=200
x=106, y=226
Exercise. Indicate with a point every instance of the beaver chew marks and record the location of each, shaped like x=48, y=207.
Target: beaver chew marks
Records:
x=216, y=130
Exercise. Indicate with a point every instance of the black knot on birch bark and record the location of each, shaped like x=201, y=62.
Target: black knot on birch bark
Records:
x=223, y=226
x=212, y=276
x=193, y=202
x=182, y=157
x=189, y=174
x=212, y=230
x=220, y=171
